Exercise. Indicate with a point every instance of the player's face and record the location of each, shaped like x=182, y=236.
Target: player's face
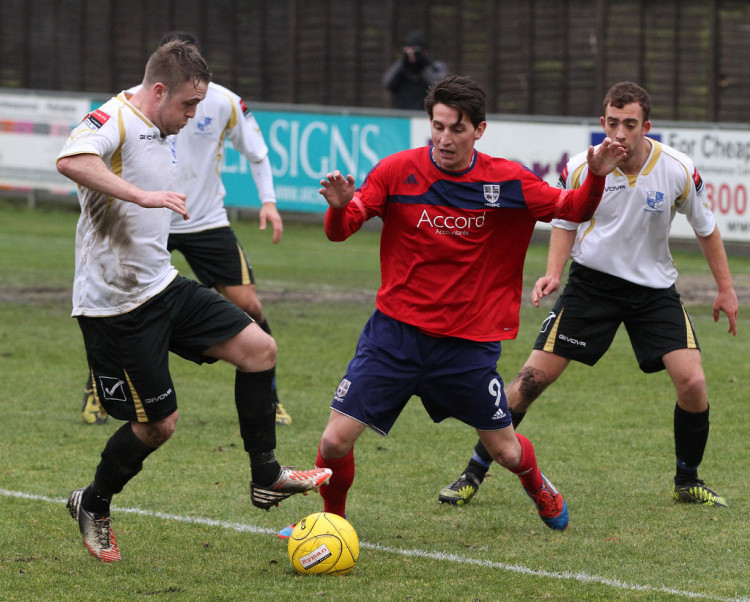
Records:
x=453, y=140
x=176, y=107
x=627, y=127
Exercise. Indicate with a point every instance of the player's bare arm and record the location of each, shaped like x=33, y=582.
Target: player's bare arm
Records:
x=713, y=250
x=608, y=155
x=560, y=245
x=89, y=170
x=269, y=213
x=337, y=189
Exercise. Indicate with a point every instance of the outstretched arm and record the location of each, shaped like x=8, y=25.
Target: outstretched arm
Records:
x=91, y=171
x=712, y=247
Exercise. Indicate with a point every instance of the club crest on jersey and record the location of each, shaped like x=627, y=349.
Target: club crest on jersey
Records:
x=492, y=193
x=204, y=125
x=655, y=201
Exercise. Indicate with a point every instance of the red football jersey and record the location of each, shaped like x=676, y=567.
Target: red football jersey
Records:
x=453, y=245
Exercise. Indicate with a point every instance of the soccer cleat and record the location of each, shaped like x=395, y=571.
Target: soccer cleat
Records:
x=91, y=410
x=460, y=491
x=695, y=492
x=551, y=506
x=289, y=482
x=97, y=532
x=282, y=416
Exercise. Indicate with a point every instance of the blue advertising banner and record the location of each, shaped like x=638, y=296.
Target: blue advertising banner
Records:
x=304, y=147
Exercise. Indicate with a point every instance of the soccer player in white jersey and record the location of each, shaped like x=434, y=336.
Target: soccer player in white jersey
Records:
x=622, y=273
x=207, y=241
x=132, y=306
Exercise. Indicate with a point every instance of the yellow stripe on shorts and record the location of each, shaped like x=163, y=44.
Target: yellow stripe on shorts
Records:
x=549, y=344
x=140, y=411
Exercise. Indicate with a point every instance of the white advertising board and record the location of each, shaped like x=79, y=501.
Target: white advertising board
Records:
x=33, y=129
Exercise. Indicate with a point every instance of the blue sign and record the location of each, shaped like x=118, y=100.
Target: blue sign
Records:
x=304, y=147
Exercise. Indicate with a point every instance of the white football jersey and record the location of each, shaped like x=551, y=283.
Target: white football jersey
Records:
x=200, y=150
x=121, y=257
x=628, y=236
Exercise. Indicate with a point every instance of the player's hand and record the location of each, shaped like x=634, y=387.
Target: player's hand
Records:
x=337, y=190
x=175, y=201
x=727, y=302
x=546, y=285
x=269, y=213
x=608, y=155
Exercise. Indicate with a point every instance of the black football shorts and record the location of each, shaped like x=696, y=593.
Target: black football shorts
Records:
x=586, y=316
x=128, y=355
x=215, y=256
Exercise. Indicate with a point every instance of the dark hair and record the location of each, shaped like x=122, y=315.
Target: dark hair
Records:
x=459, y=92
x=183, y=36
x=174, y=63
x=625, y=93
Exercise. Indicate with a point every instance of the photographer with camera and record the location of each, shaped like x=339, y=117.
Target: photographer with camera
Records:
x=410, y=76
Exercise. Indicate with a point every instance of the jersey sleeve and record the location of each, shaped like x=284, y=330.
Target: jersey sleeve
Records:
x=694, y=203
x=570, y=179
x=98, y=134
x=244, y=133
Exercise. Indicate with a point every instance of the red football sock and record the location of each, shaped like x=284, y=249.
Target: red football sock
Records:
x=527, y=470
x=334, y=494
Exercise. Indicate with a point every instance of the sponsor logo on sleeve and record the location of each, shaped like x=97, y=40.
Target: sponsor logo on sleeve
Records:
x=96, y=119
x=698, y=180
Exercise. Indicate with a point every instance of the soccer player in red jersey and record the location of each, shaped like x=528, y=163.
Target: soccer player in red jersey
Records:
x=456, y=227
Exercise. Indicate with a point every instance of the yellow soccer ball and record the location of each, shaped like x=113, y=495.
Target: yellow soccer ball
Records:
x=323, y=544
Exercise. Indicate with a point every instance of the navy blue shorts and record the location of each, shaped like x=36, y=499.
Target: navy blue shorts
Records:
x=455, y=378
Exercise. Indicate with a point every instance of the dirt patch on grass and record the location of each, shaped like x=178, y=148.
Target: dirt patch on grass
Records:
x=694, y=289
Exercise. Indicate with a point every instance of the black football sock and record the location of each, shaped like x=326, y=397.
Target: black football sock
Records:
x=690, y=438
x=480, y=462
x=122, y=459
x=516, y=417
x=257, y=416
x=267, y=329
x=264, y=468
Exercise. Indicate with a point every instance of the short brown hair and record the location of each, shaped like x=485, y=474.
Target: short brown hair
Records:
x=625, y=93
x=174, y=63
x=459, y=92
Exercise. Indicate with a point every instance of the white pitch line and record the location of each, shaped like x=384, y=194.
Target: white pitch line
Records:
x=441, y=556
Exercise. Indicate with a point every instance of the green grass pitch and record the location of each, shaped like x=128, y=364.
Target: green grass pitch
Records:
x=187, y=529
